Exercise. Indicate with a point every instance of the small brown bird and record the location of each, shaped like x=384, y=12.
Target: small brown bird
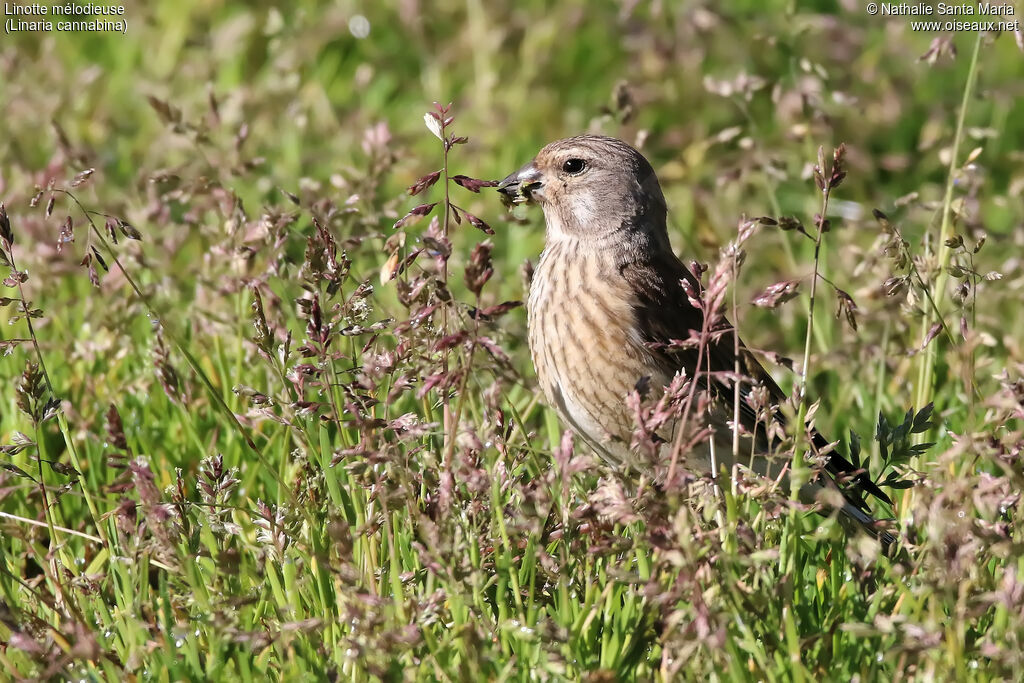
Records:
x=608, y=298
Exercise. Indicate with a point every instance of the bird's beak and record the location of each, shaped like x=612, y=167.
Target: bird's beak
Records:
x=521, y=186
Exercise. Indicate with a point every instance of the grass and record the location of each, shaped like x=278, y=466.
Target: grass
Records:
x=278, y=438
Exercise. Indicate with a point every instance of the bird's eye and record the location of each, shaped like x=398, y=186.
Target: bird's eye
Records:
x=574, y=166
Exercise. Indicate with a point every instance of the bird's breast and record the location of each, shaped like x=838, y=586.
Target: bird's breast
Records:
x=583, y=338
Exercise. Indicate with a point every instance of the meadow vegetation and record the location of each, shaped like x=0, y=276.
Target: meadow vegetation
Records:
x=266, y=416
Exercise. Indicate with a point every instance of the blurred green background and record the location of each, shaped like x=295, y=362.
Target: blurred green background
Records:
x=200, y=118
x=729, y=102
x=309, y=80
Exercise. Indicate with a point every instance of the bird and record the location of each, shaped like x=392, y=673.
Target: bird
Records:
x=607, y=299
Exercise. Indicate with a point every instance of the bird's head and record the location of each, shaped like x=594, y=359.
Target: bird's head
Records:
x=589, y=186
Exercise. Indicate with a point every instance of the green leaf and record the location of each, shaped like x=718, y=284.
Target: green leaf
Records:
x=899, y=485
x=854, y=449
x=17, y=470
x=922, y=421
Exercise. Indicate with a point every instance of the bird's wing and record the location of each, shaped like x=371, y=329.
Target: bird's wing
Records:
x=664, y=313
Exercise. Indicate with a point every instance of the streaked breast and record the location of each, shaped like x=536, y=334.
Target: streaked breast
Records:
x=582, y=337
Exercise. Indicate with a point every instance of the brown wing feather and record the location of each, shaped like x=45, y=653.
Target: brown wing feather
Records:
x=664, y=313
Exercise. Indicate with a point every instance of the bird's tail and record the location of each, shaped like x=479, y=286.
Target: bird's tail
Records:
x=824, y=491
x=851, y=515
